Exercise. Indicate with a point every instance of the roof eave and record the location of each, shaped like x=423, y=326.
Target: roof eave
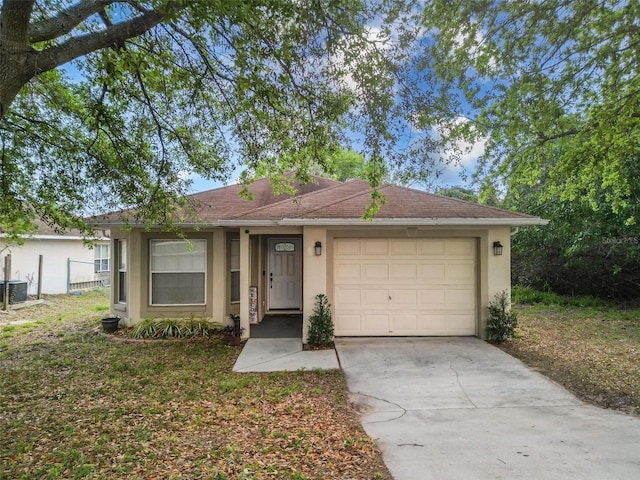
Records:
x=513, y=222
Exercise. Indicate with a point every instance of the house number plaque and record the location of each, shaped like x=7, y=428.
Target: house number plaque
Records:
x=253, y=305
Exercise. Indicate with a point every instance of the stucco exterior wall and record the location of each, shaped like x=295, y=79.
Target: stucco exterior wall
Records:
x=496, y=273
x=493, y=272
x=314, y=272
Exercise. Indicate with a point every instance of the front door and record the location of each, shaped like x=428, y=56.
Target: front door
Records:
x=285, y=274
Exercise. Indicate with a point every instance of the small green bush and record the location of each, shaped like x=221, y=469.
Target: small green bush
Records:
x=502, y=320
x=172, y=328
x=320, y=323
x=530, y=296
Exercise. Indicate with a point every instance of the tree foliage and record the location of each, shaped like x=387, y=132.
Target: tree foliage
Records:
x=153, y=92
x=348, y=165
x=460, y=193
x=583, y=250
x=552, y=87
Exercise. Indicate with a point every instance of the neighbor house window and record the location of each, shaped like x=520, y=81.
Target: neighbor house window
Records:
x=178, y=272
x=234, y=267
x=121, y=254
x=102, y=259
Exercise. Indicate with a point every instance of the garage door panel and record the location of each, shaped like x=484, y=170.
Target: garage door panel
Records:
x=431, y=247
x=460, y=323
x=376, y=322
x=433, y=298
x=405, y=287
x=404, y=273
x=347, y=247
x=407, y=323
x=460, y=298
x=375, y=296
x=350, y=324
x=460, y=247
x=406, y=247
x=432, y=272
x=460, y=273
x=433, y=323
x=404, y=298
x=375, y=273
x=348, y=272
x=348, y=298
x=375, y=247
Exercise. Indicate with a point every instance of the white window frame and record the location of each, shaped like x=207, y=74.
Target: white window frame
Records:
x=152, y=242
x=100, y=250
x=234, y=269
x=121, y=254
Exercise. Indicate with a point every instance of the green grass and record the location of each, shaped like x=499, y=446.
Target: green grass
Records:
x=530, y=296
x=77, y=403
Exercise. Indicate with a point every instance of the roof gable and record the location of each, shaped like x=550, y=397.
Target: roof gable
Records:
x=226, y=202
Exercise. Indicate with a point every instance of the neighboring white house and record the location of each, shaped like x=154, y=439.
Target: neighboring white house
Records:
x=68, y=264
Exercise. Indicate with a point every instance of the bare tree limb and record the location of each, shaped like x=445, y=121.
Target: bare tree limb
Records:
x=79, y=46
x=66, y=20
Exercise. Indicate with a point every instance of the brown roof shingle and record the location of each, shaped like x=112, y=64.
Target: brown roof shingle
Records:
x=329, y=200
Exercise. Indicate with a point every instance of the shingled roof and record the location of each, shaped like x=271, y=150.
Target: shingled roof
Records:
x=327, y=201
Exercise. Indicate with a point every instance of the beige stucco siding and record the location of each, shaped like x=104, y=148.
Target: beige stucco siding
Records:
x=138, y=305
x=491, y=274
x=314, y=271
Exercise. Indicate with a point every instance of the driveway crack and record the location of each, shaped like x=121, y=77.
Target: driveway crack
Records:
x=404, y=410
x=458, y=378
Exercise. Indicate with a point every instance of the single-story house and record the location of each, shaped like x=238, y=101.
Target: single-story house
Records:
x=425, y=265
x=67, y=262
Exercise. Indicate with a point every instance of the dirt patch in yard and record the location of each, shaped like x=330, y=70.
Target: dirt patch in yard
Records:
x=593, y=352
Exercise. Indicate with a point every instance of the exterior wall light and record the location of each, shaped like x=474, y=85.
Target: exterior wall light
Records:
x=318, y=249
x=497, y=248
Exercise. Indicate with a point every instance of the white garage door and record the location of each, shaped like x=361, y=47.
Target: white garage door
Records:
x=405, y=286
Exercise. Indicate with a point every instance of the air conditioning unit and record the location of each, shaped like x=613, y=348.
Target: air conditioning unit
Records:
x=17, y=291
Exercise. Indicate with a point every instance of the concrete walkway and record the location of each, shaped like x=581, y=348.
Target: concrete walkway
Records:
x=281, y=355
x=459, y=408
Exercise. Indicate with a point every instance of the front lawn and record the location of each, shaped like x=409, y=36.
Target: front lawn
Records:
x=77, y=404
x=592, y=351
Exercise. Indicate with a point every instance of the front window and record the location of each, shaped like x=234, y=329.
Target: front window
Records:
x=178, y=272
x=102, y=258
x=121, y=253
x=234, y=267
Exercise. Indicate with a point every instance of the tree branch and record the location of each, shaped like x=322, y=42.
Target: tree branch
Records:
x=14, y=24
x=66, y=20
x=79, y=46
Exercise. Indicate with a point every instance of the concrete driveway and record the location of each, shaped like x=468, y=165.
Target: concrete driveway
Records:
x=459, y=408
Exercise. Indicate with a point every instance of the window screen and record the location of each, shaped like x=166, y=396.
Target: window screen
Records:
x=234, y=266
x=178, y=273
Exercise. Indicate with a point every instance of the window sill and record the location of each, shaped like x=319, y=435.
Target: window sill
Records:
x=177, y=305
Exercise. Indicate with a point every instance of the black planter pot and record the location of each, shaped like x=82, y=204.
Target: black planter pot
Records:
x=110, y=324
